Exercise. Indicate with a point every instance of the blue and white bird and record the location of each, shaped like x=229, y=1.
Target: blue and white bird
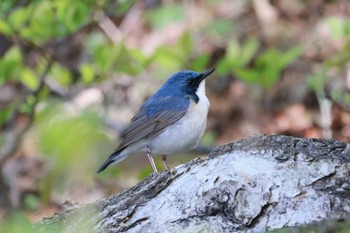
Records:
x=171, y=121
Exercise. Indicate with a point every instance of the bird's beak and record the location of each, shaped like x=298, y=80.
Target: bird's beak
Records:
x=206, y=74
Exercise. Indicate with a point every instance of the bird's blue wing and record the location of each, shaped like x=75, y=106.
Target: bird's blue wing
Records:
x=154, y=115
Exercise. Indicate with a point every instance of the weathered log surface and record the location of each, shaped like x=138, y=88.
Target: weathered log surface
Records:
x=253, y=185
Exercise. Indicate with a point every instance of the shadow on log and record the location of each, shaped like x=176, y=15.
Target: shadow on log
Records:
x=253, y=185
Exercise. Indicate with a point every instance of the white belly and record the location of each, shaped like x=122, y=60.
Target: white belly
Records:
x=184, y=134
x=179, y=137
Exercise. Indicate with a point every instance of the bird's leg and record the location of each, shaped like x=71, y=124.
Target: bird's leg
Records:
x=163, y=157
x=150, y=158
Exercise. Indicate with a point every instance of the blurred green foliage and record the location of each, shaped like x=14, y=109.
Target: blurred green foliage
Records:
x=16, y=222
x=40, y=21
x=318, y=81
x=11, y=64
x=31, y=202
x=263, y=69
x=340, y=29
x=72, y=141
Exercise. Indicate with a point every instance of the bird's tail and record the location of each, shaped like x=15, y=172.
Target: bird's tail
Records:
x=112, y=159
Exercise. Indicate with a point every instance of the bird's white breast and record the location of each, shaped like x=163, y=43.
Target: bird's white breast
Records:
x=185, y=133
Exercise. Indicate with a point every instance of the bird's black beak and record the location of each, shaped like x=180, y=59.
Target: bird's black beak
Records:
x=206, y=74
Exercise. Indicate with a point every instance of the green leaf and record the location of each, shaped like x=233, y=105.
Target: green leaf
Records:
x=132, y=62
x=237, y=56
x=42, y=24
x=233, y=52
x=73, y=15
x=277, y=60
x=290, y=56
x=231, y=59
x=268, y=58
x=223, y=66
x=11, y=64
x=61, y=75
x=105, y=56
x=269, y=77
x=19, y=17
x=138, y=56
x=249, y=76
x=5, y=28
x=87, y=73
x=248, y=50
x=29, y=78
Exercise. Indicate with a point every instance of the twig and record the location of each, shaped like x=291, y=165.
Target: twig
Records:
x=107, y=25
x=326, y=116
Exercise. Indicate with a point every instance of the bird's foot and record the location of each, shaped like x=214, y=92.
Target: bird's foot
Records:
x=173, y=171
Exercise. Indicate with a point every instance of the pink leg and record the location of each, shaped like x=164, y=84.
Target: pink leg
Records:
x=150, y=158
x=165, y=163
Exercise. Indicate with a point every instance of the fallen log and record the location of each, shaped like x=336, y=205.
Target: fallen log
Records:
x=252, y=185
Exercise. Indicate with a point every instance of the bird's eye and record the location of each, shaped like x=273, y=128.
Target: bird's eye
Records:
x=191, y=81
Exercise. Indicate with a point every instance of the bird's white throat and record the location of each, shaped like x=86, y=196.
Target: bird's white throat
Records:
x=201, y=94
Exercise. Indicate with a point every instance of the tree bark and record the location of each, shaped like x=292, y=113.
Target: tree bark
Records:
x=253, y=185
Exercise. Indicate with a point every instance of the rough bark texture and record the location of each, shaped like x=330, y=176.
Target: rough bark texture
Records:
x=253, y=185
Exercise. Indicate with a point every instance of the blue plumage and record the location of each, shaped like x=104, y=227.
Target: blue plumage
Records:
x=168, y=103
x=165, y=122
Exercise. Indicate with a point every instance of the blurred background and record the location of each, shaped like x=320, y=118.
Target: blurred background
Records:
x=73, y=73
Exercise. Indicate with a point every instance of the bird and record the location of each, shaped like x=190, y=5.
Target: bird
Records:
x=169, y=122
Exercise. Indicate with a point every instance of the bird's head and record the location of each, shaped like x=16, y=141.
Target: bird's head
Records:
x=186, y=82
